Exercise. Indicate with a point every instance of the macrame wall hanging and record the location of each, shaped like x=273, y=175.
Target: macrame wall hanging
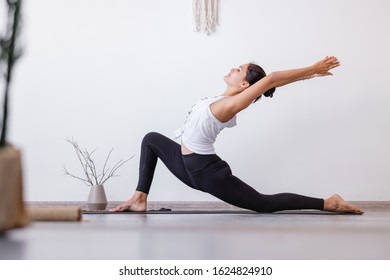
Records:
x=205, y=15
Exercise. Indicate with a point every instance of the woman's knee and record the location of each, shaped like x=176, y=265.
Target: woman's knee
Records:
x=151, y=137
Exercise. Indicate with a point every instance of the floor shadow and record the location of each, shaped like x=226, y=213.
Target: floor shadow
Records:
x=11, y=249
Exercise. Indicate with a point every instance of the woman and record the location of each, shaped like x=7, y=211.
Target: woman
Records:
x=195, y=163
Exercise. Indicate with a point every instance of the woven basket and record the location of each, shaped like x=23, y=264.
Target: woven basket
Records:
x=12, y=212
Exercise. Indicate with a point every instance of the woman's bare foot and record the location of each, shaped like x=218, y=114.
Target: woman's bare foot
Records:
x=137, y=203
x=336, y=204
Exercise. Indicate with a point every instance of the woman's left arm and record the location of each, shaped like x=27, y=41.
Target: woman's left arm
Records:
x=319, y=69
x=241, y=101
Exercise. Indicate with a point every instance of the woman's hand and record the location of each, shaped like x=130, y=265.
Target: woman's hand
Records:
x=322, y=67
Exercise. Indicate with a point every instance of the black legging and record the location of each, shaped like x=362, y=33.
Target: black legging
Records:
x=209, y=173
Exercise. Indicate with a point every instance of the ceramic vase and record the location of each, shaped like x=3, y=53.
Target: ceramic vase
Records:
x=97, y=199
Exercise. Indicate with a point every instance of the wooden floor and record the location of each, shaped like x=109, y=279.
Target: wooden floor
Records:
x=284, y=235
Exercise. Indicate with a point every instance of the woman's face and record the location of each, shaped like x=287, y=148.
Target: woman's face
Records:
x=237, y=76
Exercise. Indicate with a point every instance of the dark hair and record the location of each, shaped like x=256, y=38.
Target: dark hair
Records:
x=255, y=73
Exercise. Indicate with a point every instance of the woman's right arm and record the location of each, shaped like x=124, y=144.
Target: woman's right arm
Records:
x=275, y=79
x=319, y=69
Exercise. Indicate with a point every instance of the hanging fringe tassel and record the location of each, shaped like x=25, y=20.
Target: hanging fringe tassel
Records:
x=205, y=15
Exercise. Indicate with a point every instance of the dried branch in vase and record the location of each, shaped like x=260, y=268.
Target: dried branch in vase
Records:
x=91, y=175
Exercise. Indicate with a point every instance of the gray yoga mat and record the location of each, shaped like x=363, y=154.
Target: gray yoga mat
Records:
x=172, y=211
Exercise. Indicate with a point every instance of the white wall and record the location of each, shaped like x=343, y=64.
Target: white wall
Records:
x=107, y=72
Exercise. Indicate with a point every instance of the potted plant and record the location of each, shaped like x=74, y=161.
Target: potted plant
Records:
x=12, y=213
x=97, y=199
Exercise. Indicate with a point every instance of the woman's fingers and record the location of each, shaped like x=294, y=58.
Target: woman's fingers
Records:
x=328, y=63
x=332, y=61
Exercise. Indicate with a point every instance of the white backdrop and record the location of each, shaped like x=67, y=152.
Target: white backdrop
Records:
x=107, y=72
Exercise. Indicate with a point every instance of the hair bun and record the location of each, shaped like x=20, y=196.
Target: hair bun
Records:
x=269, y=93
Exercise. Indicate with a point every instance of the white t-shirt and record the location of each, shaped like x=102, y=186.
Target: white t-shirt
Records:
x=201, y=127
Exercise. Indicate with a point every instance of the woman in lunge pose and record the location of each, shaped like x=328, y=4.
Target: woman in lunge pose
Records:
x=195, y=163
